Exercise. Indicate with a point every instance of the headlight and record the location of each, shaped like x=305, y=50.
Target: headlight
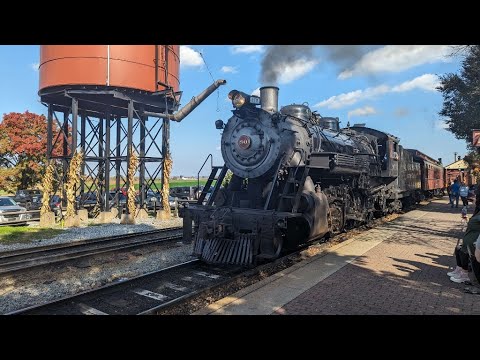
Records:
x=232, y=93
x=238, y=101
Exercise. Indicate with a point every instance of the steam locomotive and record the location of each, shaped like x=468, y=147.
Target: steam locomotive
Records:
x=298, y=177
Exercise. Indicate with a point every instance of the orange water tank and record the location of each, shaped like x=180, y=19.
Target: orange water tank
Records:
x=125, y=66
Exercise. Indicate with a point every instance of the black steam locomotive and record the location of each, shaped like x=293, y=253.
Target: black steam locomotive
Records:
x=298, y=177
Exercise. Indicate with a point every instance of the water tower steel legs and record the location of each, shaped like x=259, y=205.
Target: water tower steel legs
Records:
x=65, y=159
x=106, y=142
x=106, y=157
x=101, y=165
x=141, y=184
x=82, y=145
x=129, y=145
x=118, y=162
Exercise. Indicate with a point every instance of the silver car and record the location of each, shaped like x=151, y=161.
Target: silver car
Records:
x=11, y=212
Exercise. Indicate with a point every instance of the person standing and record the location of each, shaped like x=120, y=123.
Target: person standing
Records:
x=449, y=192
x=466, y=251
x=455, y=189
x=463, y=192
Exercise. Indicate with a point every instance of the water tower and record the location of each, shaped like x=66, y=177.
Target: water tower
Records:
x=107, y=99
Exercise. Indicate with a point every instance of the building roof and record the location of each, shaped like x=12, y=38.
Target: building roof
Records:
x=457, y=165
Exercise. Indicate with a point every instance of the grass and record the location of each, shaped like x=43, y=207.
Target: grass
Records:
x=25, y=234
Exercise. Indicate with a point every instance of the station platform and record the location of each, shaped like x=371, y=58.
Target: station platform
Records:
x=397, y=268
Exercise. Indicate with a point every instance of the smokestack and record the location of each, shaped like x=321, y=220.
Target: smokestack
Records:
x=269, y=98
x=454, y=156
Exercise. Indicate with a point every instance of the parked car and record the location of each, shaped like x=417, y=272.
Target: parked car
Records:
x=14, y=213
x=186, y=192
x=55, y=205
x=121, y=200
x=154, y=199
x=87, y=201
x=27, y=198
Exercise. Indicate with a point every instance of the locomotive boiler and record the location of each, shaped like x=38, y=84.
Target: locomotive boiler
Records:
x=296, y=177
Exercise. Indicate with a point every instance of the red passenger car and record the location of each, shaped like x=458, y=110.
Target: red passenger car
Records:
x=432, y=173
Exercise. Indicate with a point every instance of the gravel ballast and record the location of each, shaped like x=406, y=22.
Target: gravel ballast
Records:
x=38, y=286
x=97, y=231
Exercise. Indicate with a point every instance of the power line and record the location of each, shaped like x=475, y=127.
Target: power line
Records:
x=213, y=79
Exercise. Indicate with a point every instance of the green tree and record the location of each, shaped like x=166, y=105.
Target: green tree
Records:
x=461, y=95
x=461, y=101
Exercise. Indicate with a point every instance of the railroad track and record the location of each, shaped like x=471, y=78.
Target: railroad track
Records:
x=25, y=259
x=141, y=295
x=162, y=290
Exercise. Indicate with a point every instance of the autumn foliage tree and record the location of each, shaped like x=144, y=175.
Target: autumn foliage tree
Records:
x=23, y=150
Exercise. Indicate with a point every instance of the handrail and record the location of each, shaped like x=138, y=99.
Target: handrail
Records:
x=199, y=171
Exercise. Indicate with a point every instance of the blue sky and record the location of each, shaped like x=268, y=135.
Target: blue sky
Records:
x=390, y=88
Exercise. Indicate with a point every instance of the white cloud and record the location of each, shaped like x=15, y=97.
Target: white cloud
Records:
x=397, y=58
x=247, y=49
x=425, y=82
x=440, y=125
x=350, y=98
x=218, y=148
x=256, y=92
x=365, y=111
x=35, y=66
x=229, y=69
x=294, y=70
x=189, y=57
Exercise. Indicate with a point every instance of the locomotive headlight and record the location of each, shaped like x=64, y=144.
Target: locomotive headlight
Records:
x=238, y=100
x=232, y=93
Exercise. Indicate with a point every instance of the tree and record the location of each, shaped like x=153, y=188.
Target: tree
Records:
x=23, y=150
x=461, y=96
x=461, y=101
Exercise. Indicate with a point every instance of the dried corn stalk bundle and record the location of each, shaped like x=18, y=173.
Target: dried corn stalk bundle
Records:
x=73, y=182
x=132, y=169
x=167, y=168
x=47, y=185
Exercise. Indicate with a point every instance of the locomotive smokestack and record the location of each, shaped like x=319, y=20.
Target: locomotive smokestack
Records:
x=269, y=98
